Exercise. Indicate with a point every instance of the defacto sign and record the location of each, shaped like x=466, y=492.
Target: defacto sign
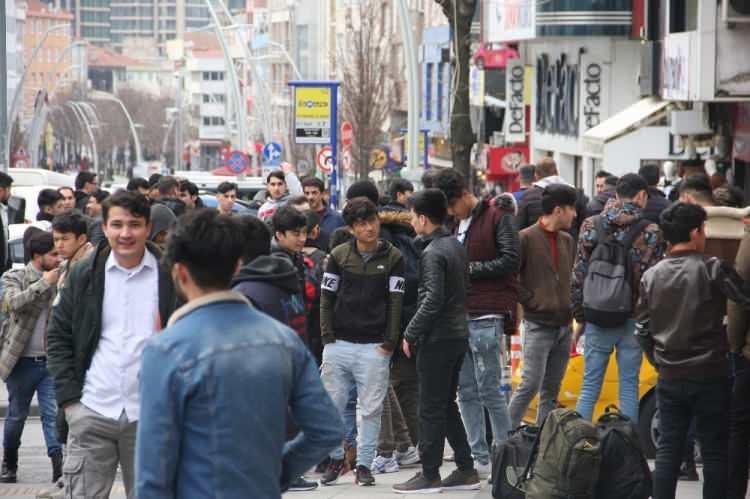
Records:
x=515, y=121
x=509, y=20
x=312, y=115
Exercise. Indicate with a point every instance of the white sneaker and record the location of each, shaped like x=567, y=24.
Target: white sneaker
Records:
x=483, y=469
x=382, y=464
x=408, y=457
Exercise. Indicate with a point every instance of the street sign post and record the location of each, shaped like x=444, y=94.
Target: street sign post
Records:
x=238, y=162
x=347, y=134
x=315, y=121
x=272, y=153
x=324, y=158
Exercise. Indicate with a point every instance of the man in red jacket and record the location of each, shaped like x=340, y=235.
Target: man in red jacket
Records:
x=491, y=240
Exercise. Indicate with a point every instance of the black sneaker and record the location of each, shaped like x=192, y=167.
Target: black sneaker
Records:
x=300, y=484
x=8, y=474
x=462, y=480
x=364, y=476
x=419, y=484
x=323, y=465
x=333, y=472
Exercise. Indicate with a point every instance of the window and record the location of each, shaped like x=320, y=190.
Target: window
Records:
x=212, y=76
x=213, y=121
x=439, y=106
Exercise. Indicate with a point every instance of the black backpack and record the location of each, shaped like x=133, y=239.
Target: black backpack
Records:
x=509, y=461
x=607, y=287
x=624, y=471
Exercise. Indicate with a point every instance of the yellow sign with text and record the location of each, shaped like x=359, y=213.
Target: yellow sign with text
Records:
x=312, y=115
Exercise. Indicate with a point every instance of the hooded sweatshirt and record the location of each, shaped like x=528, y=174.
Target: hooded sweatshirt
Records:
x=272, y=286
x=162, y=219
x=647, y=250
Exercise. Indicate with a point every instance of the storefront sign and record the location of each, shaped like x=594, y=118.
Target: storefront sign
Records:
x=312, y=115
x=676, y=67
x=507, y=20
x=557, y=105
x=515, y=115
x=594, y=85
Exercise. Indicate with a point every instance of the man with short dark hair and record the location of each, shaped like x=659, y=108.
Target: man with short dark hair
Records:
x=290, y=233
x=280, y=184
x=622, y=218
x=600, y=180
x=95, y=342
x=200, y=456
x=526, y=179
x=86, y=184
x=189, y=195
x=28, y=294
x=400, y=191
x=491, y=241
x=70, y=232
x=547, y=254
x=50, y=204
x=657, y=201
x=11, y=212
x=602, y=197
x=226, y=195
x=437, y=335
x=169, y=195
x=138, y=184
x=330, y=220
x=69, y=198
x=680, y=314
x=360, y=323
x=696, y=189
x=530, y=207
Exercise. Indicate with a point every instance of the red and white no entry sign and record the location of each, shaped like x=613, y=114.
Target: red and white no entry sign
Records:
x=325, y=160
x=347, y=134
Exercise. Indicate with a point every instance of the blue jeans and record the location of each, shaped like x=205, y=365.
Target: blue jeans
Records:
x=361, y=365
x=479, y=387
x=29, y=376
x=350, y=418
x=599, y=344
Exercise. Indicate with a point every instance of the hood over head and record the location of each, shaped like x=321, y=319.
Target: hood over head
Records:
x=162, y=218
x=274, y=270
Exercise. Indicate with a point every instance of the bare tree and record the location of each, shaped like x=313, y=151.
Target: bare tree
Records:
x=149, y=111
x=366, y=86
x=460, y=14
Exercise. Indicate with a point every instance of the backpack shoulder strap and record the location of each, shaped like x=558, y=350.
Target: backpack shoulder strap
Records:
x=634, y=231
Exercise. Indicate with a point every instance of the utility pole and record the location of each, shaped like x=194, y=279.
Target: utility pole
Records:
x=4, y=135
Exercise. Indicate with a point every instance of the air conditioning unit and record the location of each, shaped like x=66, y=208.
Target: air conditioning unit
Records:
x=735, y=11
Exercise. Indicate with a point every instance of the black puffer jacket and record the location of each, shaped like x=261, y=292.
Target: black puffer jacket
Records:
x=443, y=283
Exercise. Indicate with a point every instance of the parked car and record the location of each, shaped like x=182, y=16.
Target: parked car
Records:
x=494, y=55
x=240, y=207
x=570, y=390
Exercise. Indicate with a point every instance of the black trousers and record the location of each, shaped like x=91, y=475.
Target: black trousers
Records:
x=438, y=366
x=739, y=457
x=708, y=403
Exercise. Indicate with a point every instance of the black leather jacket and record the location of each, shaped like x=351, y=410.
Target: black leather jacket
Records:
x=443, y=283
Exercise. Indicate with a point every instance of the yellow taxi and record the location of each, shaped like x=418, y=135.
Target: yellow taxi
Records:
x=570, y=390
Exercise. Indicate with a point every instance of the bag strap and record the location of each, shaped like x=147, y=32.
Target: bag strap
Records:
x=633, y=232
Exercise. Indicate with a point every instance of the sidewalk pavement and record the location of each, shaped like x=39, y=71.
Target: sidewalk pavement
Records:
x=33, y=411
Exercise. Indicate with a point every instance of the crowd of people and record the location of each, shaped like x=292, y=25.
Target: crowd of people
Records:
x=207, y=353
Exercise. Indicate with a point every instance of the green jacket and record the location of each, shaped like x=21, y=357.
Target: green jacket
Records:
x=76, y=324
x=361, y=302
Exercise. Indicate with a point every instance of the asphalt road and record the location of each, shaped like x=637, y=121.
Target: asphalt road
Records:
x=35, y=474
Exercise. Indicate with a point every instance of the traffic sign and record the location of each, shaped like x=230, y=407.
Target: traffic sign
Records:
x=378, y=158
x=312, y=115
x=347, y=134
x=272, y=152
x=325, y=159
x=238, y=161
x=346, y=159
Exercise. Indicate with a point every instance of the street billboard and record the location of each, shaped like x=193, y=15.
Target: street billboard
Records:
x=509, y=20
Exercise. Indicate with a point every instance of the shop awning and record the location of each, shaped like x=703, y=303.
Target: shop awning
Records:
x=642, y=113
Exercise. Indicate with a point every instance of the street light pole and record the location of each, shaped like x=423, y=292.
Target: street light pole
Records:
x=79, y=110
x=413, y=81
x=4, y=134
x=19, y=89
x=106, y=96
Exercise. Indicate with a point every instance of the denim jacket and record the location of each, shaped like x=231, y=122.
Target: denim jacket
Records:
x=216, y=387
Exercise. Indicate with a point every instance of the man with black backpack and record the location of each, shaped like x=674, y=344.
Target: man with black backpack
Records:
x=614, y=250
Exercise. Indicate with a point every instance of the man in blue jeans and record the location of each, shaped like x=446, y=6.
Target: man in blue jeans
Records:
x=360, y=324
x=28, y=297
x=621, y=217
x=491, y=241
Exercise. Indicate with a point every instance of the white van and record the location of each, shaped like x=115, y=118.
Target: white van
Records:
x=38, y=176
